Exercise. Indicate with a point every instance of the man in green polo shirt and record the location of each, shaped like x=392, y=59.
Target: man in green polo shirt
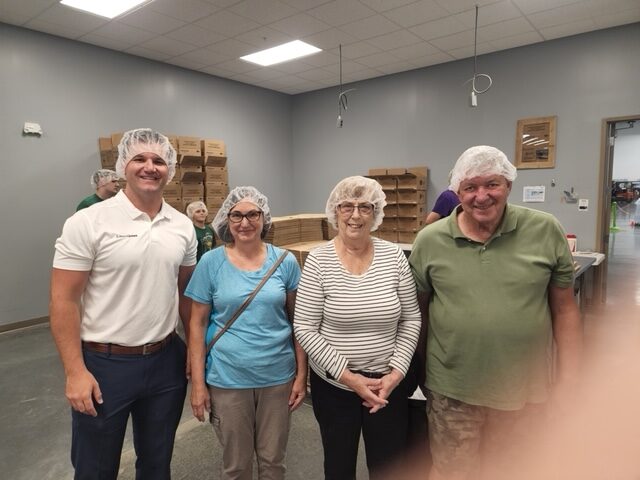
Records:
x=106, y=184
x=495, y=285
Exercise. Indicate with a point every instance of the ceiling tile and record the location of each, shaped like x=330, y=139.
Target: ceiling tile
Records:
x=450, y=42
x=263, y=11
x=185, y=10
x=222, y=3
x=504, y=29
x=378, y=59
x=466, y=52
x=69, y=17
x=305, y=4
x=414, y=51
x=384, y=5
x=217, y=71
x=567, y=29
x=618, y=18
x=397, y=39
x=25, y=9
x=487, y=15
x=227, y=23
x=293, y=67
x=532, y=6
x=348, y=67
x=439, y=28
x=233, y=47
x=320, y=59
x=264, y=37
x=558, y=16
x=370, y=27
x=396, y=67
x=341, y=12
x=457, y=6
x=145, y=52
x=120, y=31
x=55, y=29
x=358, y=49
x=100, y=41
x=198, y=36
x=329, y=39
x=167, y=45
x=206, y=56
x=151, y=21
x=361, y=75
x=265, y=73
x=14, y=18
x=183, y=62
x=237, y=66
x=300, y=25
x=434, y=59
x=517, y=40
x=316, y=74
x=416, y=13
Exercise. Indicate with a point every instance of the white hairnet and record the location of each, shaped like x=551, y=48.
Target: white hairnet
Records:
x=143, y=140
x=250, y=194
x=197, y=205
x=359, y=189
x=479, y=161
x=102, y=177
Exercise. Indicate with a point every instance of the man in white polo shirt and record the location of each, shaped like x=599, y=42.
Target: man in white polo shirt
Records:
x=119, y=274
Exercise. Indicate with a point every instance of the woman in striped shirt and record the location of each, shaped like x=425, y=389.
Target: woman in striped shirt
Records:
x=357, y=318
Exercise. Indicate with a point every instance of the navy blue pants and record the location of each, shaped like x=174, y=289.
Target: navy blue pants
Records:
x=342, y=417
x=150, y=388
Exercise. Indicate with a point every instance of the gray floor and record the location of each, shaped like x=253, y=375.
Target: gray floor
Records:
x=35, y=423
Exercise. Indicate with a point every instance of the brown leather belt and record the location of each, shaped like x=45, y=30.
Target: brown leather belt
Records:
x=114, y=348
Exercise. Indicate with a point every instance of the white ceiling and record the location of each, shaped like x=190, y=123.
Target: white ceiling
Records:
x=379, y=37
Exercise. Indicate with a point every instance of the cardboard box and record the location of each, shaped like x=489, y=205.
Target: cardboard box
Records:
x=104, y=144
x=419, y=171
x=214, y=203
x=408, y=210
x=410, y=181
x=391, y=211
x=212, y=147
x=173, y=140
x=387, y=182
x=115, y=140
x=108, y=160
x=410, y=224
x=391, y=196
x=214, y=189
x=172, y=189
x=373, y=172
x=389, y=236
x=189, y=146
x=186, y=174
x=409, y=196
x=216, y=175
x=388, y=225
x=175, y=202
x=192, y=190
x=396, y=171
x=406, y=237
x=190, y=160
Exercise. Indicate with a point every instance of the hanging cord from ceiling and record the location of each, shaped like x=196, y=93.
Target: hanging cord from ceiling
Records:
x=343, y=101
x=475, y=91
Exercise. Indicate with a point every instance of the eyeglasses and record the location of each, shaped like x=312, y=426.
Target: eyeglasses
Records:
x=363, y=208
x=252, y=216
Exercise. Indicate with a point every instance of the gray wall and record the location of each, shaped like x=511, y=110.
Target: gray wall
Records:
x=422, y=118
x=77, y=93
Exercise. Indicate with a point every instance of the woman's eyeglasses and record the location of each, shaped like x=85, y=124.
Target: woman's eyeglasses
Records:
x=252, y=216
x=363, y=208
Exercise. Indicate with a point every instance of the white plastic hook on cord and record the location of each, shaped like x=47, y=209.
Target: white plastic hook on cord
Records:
x=474, y=90
x=343, y=102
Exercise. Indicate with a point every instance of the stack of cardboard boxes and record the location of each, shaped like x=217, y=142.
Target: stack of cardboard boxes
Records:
x=405, y=189
x=201, y=171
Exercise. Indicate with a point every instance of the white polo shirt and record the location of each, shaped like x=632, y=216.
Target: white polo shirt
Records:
x=131, y=297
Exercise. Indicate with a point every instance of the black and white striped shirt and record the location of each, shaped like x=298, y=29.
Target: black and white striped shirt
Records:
x=365, y=322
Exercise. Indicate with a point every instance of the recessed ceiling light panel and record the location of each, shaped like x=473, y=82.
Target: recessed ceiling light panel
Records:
x=281, y=53
x=104, y=8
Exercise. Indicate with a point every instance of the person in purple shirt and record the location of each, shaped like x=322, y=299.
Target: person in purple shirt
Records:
x=445, y=204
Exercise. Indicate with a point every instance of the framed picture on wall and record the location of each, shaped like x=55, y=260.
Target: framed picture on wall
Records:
x=536, y=143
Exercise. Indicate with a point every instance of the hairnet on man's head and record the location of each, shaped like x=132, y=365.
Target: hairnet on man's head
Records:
x=102, y=177
x=197, y=205
x=145, y=140
x=250, y=194
x=358, y=189
x=478, y=161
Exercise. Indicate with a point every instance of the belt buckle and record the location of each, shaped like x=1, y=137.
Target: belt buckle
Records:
x=146, y=349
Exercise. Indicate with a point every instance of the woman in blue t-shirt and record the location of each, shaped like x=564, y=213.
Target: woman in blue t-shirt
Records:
x=256, y=373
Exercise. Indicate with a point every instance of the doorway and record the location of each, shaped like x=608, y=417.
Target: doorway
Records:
x=619, y=206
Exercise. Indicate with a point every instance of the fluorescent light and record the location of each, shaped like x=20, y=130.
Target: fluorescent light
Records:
x=104, y=8
x=281, y=53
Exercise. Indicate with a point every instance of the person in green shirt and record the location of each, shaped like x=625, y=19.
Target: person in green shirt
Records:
x=495, y=285
x=106, y=184
x=197, y=212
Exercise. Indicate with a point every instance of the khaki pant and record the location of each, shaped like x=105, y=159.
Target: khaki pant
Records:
x=252, y=420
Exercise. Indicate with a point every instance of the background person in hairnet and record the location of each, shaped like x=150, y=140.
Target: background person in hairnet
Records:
x=495, y=281
x=197, y=212
x=256, y=374
x=106, y=184
x=357, y=317
x=119, y=273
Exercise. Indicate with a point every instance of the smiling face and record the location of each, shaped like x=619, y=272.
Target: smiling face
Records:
x=355, y=219
x=246, y=230
x=484, y=199
x=199, y=216
x=146, y=173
